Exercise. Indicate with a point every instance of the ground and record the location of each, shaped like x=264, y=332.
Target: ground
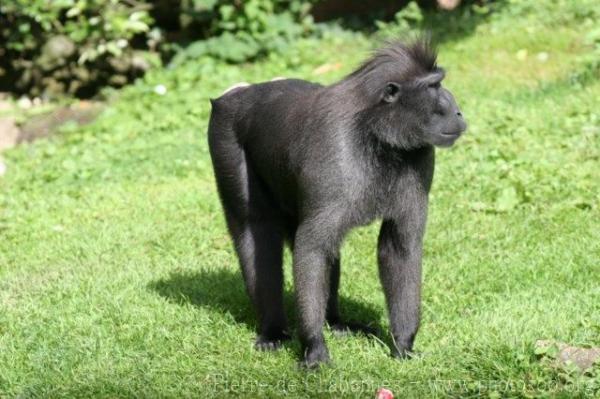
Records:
x=117, y=276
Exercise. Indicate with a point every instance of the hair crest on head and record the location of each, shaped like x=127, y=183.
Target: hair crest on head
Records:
x=416, y=56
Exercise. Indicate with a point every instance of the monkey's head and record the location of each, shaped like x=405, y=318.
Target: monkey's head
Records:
x=405, y=104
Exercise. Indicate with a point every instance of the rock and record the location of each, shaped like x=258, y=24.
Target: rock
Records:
x=45, y=124
x=58, y=48
x=120, y=64
x=9, y=133
x=325, y=68
x=230, y=88
x=118, y=80
x=448, y=4
x=140, y=63
x=24, y=103
x=5, y=104
x=583, y=358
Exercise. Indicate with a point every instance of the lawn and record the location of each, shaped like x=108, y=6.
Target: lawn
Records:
x=118, y=278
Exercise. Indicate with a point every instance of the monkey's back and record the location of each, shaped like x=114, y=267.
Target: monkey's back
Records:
x=272, y=124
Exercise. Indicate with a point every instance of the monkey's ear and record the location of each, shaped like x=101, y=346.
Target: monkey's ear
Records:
x=431, y=79
x=391, y=92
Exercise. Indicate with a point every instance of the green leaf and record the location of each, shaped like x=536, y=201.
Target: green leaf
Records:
x=540, y=350
x=73, y=12
x=507, y=200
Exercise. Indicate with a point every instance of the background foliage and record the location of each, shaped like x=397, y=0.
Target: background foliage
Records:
x=49, y=47
x=72, y=46
x=243, y=30
x=75, y=46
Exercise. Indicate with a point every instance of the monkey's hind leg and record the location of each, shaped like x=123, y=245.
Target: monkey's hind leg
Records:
x=259, y=244
x=255, y=228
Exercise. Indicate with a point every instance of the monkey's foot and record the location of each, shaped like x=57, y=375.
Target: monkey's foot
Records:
x=270, y=342
x=403, y=354
x=315, y=357
x=340, y=328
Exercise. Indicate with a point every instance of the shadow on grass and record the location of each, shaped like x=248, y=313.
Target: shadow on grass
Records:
x=223, y=290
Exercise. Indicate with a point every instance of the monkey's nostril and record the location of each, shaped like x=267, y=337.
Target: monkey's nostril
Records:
x=459, y=113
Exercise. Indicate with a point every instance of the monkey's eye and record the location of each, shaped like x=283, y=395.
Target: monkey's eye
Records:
x=436, y=85
x=391, y=92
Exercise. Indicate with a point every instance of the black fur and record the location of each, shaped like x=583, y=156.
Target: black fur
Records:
x=301, y=162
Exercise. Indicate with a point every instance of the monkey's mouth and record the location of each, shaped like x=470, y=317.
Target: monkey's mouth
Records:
x=446, y=139
x=452, y=134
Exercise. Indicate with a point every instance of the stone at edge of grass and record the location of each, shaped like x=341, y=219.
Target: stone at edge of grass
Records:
x=583, y=358
x=9, y=133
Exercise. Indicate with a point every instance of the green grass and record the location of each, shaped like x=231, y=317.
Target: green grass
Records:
x=118, y=279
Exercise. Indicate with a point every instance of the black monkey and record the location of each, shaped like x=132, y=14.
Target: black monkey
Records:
x=301, y=162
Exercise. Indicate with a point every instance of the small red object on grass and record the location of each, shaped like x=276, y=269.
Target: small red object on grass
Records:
x=383, y=393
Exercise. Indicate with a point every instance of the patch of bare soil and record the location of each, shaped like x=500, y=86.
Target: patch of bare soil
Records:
x=45, y=124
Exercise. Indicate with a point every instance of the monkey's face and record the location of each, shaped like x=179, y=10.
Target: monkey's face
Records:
x=445, y=123
x=425, y=113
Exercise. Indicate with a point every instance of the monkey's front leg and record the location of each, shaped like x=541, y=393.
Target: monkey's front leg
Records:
x=311, y=283
x=399, y=255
